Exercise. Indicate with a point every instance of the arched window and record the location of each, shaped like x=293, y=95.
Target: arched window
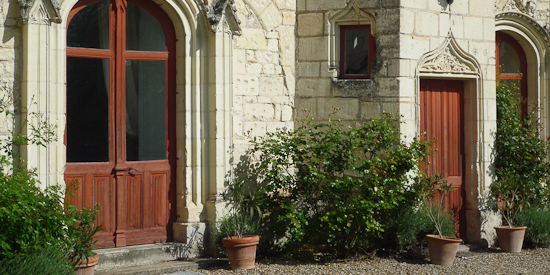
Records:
x=121, y=117
x=512, y=64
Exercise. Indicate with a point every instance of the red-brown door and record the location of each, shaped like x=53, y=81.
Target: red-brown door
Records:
x=120, y=132
x=442, y=118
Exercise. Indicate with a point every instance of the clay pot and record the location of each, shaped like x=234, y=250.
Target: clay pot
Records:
x=88, y=267
x=241, y=251
x=443, y=250
x=510, y=238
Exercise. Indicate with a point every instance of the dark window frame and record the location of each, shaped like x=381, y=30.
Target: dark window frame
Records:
x=371, y=54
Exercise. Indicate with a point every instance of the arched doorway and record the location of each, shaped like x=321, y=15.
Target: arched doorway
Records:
x=512, y=64
x=120, y=133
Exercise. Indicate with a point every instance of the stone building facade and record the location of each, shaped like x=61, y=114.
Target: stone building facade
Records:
x=243, y=66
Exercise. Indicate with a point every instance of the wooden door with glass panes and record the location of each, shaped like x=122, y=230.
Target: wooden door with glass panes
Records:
x=120, y=131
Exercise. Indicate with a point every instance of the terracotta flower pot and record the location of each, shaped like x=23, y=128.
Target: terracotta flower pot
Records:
x=442, y=250
x=88, y=267
x=510, y=238
x=241, y=251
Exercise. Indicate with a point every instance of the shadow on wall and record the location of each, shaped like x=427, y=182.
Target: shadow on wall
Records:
x=196, y=240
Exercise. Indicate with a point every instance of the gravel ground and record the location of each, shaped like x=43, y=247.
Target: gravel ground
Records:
x=529, y=261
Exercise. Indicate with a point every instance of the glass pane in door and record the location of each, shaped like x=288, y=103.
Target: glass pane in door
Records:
x=87, y=109
x=145, y=110
x=89, y=28
x=143, y=30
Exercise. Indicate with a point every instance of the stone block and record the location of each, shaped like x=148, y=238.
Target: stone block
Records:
x=268, y=69
x=272, y=86
x=254, y=68
x=406, y=21
x=255, y=128
x=308, y=69
x=301, y=5
x=462, y=7
x=251, y=39
x=457, y=26
x=353, y=88
x=239, y=61
x=251, y=56
x=264, y=56
x=246, y=85
x=313, y=49
x=473, y=28
x=287, y=113
x=482, y=9
x=310, y=24
x=259, y=5
x=289, y=18
x=426, y=23
x=413, y=47
x=407, y=87
x=273, y=45
x=444, y=24
x=348, y=108
x=317, y=5
x=271, y=17
x=325, y=72
x=369, y=110
x=415, y=4
x=306, y=105
x=261, y=112
x=489, y=29
x=288, y=48
x=313, y=87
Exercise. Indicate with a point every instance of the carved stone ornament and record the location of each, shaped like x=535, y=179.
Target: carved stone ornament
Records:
x=40, y=11
x=523, y=6
x=220, y=9
x=448, y=58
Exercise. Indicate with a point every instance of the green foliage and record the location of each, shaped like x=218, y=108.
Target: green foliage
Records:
x=50, y=261
x=433, y=191
x=537, y=220
x=250, y=226
x=407, y=227
x=332, y=185
x=36, y=221
x=520, y=162
x=245, y=213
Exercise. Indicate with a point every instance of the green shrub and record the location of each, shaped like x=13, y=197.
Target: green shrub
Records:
x=331, y=185
x=519, y=149
x=50, y=261
x=537, y=220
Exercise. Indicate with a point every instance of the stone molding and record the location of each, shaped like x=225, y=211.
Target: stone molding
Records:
x=351, y=15
x=449, y=57
x=41, y=12
x=526, y=21
x=523, y=6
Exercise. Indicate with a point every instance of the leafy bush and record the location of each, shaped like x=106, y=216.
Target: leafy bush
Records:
x=332, y=185
x=407, y=227
x=519, y=150
x=537, y=220
x=50, y=261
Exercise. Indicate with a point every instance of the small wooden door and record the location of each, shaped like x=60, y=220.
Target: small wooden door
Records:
x=120, y=133
x=442, y=118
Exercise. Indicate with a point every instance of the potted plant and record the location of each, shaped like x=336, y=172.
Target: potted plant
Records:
x=245, y=217
x=81, y=238
x=511, y=194
x=442, y=248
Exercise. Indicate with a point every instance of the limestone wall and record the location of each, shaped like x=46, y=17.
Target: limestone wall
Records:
x=263, y=88
x=10, y=58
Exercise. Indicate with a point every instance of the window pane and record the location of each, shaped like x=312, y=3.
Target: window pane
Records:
x=87, y=110
x=143, y=30
x=145, y=110
x=508, y=59
x=357, y=52
x=89, y=28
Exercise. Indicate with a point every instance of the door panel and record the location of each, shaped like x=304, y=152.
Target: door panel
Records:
x=441, y=117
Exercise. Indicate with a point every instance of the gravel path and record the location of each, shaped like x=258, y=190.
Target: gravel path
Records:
x=529, y=261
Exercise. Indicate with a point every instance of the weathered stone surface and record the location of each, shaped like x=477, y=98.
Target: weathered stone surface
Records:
x=313, y=49
x=308, y=69
x=272, y=86
x=246, y=85
x=271, y=17
x=313, y=87
x=251, y=39
x=348, y=108
x=353, y=88
x=310, y=24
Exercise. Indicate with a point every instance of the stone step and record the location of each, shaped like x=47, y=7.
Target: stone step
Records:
x=172, y=268
x=136, y=255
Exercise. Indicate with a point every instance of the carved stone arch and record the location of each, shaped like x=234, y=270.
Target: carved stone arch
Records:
x=535, y=41
x=40, y=11
x=449, y=58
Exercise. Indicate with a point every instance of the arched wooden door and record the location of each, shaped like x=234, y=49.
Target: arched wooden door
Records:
x=120, y=132
x=442, y=118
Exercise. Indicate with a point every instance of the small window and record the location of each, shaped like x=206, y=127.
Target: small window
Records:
x=357, y=51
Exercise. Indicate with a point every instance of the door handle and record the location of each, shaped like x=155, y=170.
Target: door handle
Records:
x=129, y=169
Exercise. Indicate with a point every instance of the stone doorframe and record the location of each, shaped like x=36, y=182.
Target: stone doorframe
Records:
x=204, y=37
x=449, y=61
